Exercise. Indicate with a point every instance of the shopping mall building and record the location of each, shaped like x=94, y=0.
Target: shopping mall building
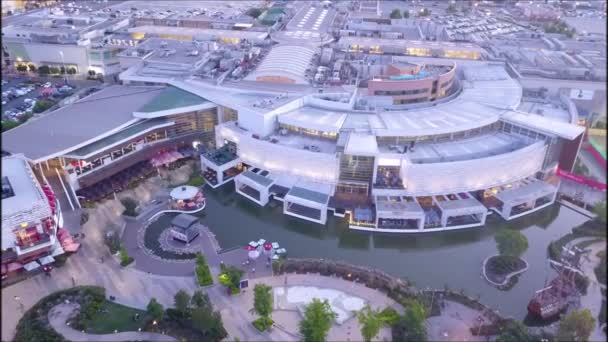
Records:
x=419, y=166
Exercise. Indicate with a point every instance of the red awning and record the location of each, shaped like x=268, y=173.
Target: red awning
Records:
x=72, y=247
x=14, y=266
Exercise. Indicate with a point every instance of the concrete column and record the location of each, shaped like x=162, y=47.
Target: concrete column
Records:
x=506, y=210
x=46, y=162
x=421, y=223
x=444, y=219
x=483, y=217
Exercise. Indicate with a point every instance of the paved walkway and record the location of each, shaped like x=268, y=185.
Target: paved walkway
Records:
x=59, y=314
x=237, y=318
x=453, y=324
x=593, y=299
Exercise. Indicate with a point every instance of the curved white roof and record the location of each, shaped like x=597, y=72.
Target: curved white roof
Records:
x=184, y=192
x=289, y=61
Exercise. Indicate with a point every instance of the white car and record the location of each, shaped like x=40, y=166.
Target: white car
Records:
x=47, y=85
x=3, y=102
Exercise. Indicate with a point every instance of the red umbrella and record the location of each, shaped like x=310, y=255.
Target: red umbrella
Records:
x=267, y=246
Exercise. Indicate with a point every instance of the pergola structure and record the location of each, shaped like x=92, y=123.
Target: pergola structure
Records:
x=462, y=211
x=253, y=186
x=530, y=195
x=306, y=204
x=398, y=213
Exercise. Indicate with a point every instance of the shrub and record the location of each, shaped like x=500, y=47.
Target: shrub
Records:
x=22, y=67
x=263, y=323
x=71, y=71
x=91, y=72
x=43, y=105
x=389, y=316
x=32, y=67
x=196, y=180
x=130, y=206
x=125, y=259
x=203, y=275
x=395, y=14
x=54, y=70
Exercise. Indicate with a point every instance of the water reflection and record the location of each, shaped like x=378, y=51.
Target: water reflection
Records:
x=434, y=259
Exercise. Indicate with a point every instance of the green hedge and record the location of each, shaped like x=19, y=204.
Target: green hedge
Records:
x=203, y=273
x=197, y=181
x=125, y=259
x=34, y=325
x=263, y=323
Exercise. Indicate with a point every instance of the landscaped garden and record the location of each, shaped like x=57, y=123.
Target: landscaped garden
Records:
x=498, y=267
x=152, y=239
x=34, y=325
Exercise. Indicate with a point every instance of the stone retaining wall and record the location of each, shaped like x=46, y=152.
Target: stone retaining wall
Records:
x=394, y=287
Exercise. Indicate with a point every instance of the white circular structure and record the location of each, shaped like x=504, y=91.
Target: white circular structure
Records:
x=184, y=192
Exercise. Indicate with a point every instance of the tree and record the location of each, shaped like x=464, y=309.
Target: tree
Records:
x=91, y=72
x=71, y=71
x=200, y=300
x=410, y=326
x=182, y=302
x=515, y=331
x=370, y=322
x=424, y=12
x=406, y=14
x=209, y=323
x=53, y=70
x=576, y=326
x=600, y=211
x=262, y=305
x=22, y=67
x=511, y=242
x=262, y=300
x=231, y=277
x=130, y=205
x=32, y=67
x=62, y=70
x=254, y=12
x=42, y=105
x=395, y=14
x=155, y=310
x=44, y=70
x=317, y=321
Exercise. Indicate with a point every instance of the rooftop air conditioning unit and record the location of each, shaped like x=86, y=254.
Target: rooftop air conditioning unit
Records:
x=163, y=44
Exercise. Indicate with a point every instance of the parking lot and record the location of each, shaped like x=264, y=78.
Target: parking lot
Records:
x=17, y=103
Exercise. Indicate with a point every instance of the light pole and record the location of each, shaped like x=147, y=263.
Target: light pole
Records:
x=65, y=77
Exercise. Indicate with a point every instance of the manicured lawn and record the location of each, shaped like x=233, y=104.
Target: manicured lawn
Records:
x=118, y=317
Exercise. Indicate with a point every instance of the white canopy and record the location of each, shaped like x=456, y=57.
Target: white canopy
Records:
x=253, y=244
x=30, y=266
x=46, y=260
x=184, y=192
x=254, y=254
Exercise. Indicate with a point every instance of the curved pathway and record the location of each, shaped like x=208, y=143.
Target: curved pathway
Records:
x=593, y=299
x=59, y=314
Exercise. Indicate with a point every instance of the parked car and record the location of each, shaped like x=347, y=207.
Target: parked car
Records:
x=47, y=85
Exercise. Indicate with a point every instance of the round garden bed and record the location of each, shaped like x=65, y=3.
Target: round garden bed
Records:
x=501, y=270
